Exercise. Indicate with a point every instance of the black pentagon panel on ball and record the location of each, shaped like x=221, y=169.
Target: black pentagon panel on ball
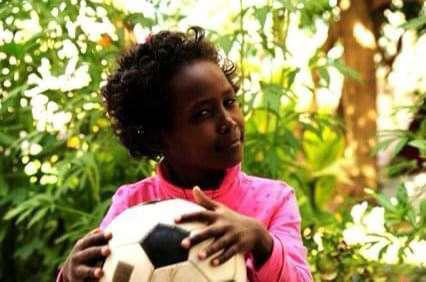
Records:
x=163, y=245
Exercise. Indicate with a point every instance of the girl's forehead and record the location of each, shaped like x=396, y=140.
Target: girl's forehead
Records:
x=198, y=74
x=199, y=79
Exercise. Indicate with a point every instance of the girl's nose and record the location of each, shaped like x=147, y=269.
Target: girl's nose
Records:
x=227, y=123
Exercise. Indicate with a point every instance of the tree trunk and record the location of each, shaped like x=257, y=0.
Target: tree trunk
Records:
x=359, y=96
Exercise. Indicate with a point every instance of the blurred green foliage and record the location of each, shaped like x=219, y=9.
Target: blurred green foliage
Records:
x=56, y=182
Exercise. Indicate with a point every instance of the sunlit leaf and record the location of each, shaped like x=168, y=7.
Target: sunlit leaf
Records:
x=345, y=70
x=324, y=190
x=399, y=145
x=261, y=14
x=380, y=146
x=423, y=210
x=6, y=140
x=415, y=23
x=401, y=194
x=323, y=72
x=38, y=216
x=418, y=143
x=225, y=42
x=385, y=202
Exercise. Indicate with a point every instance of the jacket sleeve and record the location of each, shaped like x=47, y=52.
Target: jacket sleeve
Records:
x=287, y=262
x=59, y=278
x=120, y=202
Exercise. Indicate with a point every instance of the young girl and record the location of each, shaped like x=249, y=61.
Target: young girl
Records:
x=173, y=98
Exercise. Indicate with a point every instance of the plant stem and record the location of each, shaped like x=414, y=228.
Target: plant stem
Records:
x=242, y=54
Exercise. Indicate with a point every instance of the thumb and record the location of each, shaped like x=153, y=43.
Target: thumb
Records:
x=202, y=199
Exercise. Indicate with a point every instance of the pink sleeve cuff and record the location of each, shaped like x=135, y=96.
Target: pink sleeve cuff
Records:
x=268, y=271
x=279, y=268
x=59, y=278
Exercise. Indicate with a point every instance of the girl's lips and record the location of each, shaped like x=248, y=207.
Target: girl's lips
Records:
x=231, y=145
x=236, y=143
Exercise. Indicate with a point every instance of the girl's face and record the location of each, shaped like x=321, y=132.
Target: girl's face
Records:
x=207, y=130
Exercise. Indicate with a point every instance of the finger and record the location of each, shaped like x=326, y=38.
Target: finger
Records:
x=202, y=199
x=92, y=253
x=201, y=216
x=85, y=272
x=94, y=231
x=214, y=231
x=221, y=243
x=226, y=255
x=96, y=239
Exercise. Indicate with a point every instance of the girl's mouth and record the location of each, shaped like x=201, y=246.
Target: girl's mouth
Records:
x=230, y=146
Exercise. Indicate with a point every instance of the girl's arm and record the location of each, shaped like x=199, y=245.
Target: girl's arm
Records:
x=287, y=261
x=276, y=253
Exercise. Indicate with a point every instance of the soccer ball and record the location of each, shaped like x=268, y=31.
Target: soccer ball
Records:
x=145, y=247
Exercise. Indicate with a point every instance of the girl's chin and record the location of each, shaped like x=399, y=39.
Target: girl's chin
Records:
x=234, y=159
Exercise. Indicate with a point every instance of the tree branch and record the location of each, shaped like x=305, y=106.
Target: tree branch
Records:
x=376, y=4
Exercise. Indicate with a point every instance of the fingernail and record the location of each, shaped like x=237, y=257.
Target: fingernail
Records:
x=202, y=255
x=108, y=235
x=105, y=251
x=177, y=219
x=98, y=272
x=185, y=243
x=96, y=230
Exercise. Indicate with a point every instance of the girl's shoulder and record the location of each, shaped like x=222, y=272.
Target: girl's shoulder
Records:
x=262, y=185
x=136, y=189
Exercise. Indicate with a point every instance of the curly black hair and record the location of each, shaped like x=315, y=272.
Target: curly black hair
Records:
x=136, y=94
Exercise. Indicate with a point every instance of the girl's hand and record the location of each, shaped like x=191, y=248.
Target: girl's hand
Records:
x=233, y=232
x=91, y=248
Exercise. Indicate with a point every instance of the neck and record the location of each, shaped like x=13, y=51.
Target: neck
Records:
x=188, y=177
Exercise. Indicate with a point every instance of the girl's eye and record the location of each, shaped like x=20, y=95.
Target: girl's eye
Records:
x=202, y=114
x=230, y=102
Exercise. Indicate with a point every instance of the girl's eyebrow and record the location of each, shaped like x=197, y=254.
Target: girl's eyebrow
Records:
x=201, y=102
x=204, y=101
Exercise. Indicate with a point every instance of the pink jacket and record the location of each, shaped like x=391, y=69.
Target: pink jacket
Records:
x=271, y=202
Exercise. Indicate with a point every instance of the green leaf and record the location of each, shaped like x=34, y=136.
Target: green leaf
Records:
x=272, y=95
x=380, y=146
x=226, y=42
x=38, y=216
x=395, y=169
x=423, y=210
x=323, y=73
x=398, y=147
x=6, y=140
x=4, y=186
x=345, y=70
x=416, y=23
x=261, y=13
x=14, y=92
x=24, y=215
x=13, y=212
x=384, y=202
x=418, y=143
x=135, y=18
x=383, y=250
x=291, y=77
x=402, y=195
x=324, y=188
x=311, y=128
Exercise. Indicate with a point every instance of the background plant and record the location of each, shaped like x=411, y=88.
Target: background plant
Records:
x=61, y=163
